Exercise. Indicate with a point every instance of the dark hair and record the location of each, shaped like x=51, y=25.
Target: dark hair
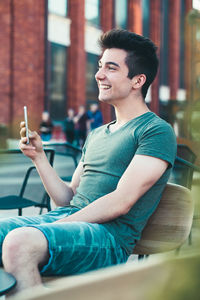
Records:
x=141, y=57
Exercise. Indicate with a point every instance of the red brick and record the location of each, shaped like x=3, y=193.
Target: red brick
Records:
x=135, y=16
x=28, y=60
x=155, y=35
x=174, y=47
x=76, y=63
x=5, y=31
x=188, y=51
x=21, y=61
x=188, y=5
x=106, y=13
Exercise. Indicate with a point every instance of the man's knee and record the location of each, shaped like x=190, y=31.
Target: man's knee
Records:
x=24, y=245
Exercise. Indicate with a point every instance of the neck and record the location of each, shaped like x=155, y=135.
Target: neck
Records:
x=127, y=110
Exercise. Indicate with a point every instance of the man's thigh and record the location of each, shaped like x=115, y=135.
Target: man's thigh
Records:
x=9, y=224
x=78, y=247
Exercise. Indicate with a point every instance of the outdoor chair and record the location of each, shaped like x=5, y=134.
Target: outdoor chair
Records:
x=183, y=173
x=66, y=159
x=170, y=225
x=186, y=153
x=184, y=167
x=20, y=184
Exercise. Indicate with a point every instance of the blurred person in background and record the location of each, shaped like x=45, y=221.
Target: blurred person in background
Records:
x=95, y=116
x=69, y=127
x=81, y=125
x=46, y=127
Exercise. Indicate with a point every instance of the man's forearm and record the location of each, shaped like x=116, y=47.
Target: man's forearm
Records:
x=57, y=189
x=102, y=210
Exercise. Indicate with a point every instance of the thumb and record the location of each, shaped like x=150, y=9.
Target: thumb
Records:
x=32, y=134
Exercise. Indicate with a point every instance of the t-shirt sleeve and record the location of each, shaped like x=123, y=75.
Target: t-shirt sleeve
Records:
x=159, y=141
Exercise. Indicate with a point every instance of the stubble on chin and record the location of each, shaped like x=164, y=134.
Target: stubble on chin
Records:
x=104, y=99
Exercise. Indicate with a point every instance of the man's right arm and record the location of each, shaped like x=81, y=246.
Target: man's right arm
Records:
x=57, y=189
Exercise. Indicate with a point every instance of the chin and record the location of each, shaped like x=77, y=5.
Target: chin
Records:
x=104, y=100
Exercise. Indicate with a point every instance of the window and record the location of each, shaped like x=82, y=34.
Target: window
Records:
x=145, y=17
x=57, y=81
x=91, y=84
x=58, y=7
x=121, y=10
x=92, y=14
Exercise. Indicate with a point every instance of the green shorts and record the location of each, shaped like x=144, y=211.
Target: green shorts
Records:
x=74, y=247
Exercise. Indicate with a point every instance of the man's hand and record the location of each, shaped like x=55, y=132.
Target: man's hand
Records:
x=34, y=149
x=57, y=189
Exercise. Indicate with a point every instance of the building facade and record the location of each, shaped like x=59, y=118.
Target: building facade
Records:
x=49, y=54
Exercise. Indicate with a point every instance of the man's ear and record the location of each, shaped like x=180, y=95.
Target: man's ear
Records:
x=138, y=81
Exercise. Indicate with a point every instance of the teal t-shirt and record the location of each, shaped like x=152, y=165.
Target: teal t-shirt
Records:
x=106, y=155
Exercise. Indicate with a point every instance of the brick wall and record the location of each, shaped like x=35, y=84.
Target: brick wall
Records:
x=174, y=47
x=5, y=28
x=22, y=61
x=106, y=11
x=188, y=50
x=135, y=16
x=28, y=60
x=76, y=60
x=155, y=35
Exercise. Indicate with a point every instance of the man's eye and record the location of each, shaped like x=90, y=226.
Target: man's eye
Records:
x=111, y=68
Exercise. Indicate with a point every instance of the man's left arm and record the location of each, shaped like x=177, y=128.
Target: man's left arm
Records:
x=141, y=174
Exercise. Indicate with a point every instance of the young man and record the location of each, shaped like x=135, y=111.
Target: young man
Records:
x=117, y=185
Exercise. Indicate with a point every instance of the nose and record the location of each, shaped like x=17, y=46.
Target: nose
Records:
x=100, y=74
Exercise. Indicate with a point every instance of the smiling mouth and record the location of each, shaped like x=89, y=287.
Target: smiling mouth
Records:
x=104, y=87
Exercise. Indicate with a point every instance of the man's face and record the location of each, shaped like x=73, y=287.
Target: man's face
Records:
x=112, y=76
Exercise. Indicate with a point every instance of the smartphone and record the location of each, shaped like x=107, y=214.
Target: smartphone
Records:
x=26, y=123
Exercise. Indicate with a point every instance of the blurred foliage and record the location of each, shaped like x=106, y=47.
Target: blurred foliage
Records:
x=183, y=281
x=193, y=16
x=195, y=121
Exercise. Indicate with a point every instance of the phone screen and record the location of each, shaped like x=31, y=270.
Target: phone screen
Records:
x=26, y=123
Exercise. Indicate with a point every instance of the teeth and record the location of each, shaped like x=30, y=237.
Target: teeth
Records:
x=104, y=86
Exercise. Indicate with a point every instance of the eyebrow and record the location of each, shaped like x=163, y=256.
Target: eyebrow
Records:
x=109, y=63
